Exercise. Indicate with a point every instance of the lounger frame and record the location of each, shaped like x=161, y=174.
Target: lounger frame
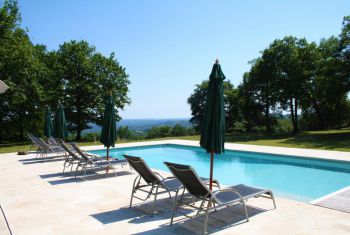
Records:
x=206, y=196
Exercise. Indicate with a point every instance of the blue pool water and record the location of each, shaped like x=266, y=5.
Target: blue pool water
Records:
x=291, y=177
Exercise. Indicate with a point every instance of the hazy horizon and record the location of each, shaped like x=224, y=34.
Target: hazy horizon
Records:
x=168, y=47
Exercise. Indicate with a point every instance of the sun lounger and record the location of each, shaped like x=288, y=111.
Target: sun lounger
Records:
x=150, y=182
x=36, y=143
x=33, y=142
x=95, y=158
x=237, y=194
x=85, y=163
x=48, y=148
x=71, y=157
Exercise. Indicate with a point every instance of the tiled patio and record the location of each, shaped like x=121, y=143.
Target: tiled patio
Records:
x=38, y=199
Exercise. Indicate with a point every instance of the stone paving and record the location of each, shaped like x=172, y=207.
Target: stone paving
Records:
x=38, y=199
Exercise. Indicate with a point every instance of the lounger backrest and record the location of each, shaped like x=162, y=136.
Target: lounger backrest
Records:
x=189, y=178
x=139, y=165
x=35, y=140
x=81, y=153
x=31, y=137
x=43, y=143
x=52, y=140
x=70, y=152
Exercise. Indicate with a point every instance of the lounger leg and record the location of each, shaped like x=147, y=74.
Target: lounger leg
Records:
x=245, y=210
x=183, y=194
x=71, y=169
x=115, y=173
x=199, y=209
x=76, y=171
x=85, y=168
x=133, y=190
x=155, y=199
x=64, y=166
x=174, y=207
x=273, y=199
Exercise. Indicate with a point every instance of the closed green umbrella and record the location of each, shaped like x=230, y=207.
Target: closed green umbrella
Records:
x=109, y=131
x=213, y=127
x=48, y=123
x=59, y=125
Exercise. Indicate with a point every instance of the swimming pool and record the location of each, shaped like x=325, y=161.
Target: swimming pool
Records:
x=296, y=178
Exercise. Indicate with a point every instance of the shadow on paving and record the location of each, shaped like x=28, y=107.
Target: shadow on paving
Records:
x=89, y=176
x=38, y=158
x=44, y=160
x=141, y=213
x=53, y=175
x=34, y=160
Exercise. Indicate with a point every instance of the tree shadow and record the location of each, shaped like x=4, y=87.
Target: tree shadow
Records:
x=322, y=140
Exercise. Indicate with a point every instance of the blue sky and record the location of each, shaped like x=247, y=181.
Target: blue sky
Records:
x=169, y=46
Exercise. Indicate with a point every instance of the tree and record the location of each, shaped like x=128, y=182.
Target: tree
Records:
x=250, y=109
x=124, y=133
x=87, y=77
x=159, y=132
x=110, y=75
x=21, y=106
x=179, y=130
x=326, y=89
x=262, y=82
x=295, y=68
x=344, y=51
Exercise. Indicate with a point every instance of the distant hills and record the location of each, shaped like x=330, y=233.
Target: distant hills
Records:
x=144, y=124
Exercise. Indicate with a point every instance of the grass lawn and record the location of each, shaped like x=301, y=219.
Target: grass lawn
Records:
x=338, y=140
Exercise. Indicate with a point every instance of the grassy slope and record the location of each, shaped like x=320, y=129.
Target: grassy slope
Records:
x=338, y=140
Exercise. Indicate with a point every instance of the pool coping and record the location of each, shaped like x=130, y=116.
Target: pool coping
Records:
x=283, y=151
x=314, y=202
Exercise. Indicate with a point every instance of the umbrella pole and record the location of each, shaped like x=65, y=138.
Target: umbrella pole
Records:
x=107, y=158
x=211, y=169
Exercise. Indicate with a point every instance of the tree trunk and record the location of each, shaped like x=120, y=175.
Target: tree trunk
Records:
x=292, y=112
x=296, y=126
x=318, y=113
x=267, y=116
x=78, y=134
x=78, y=120
x=267, y=108
x=339, y=117
x=21, y=131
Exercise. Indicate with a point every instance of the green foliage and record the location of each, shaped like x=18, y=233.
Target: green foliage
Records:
x=91, y=137
x=75, y=74
x=239, y=127
x=21, y=108
x=283, y=125
x=179, y=130
x=294, y=76
x=124, y=133
x=168, y=131
x=88, y=76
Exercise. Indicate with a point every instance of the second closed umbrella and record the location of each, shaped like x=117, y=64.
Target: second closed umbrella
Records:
x=48, y=129
x=109, y=130
x=59, y=125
